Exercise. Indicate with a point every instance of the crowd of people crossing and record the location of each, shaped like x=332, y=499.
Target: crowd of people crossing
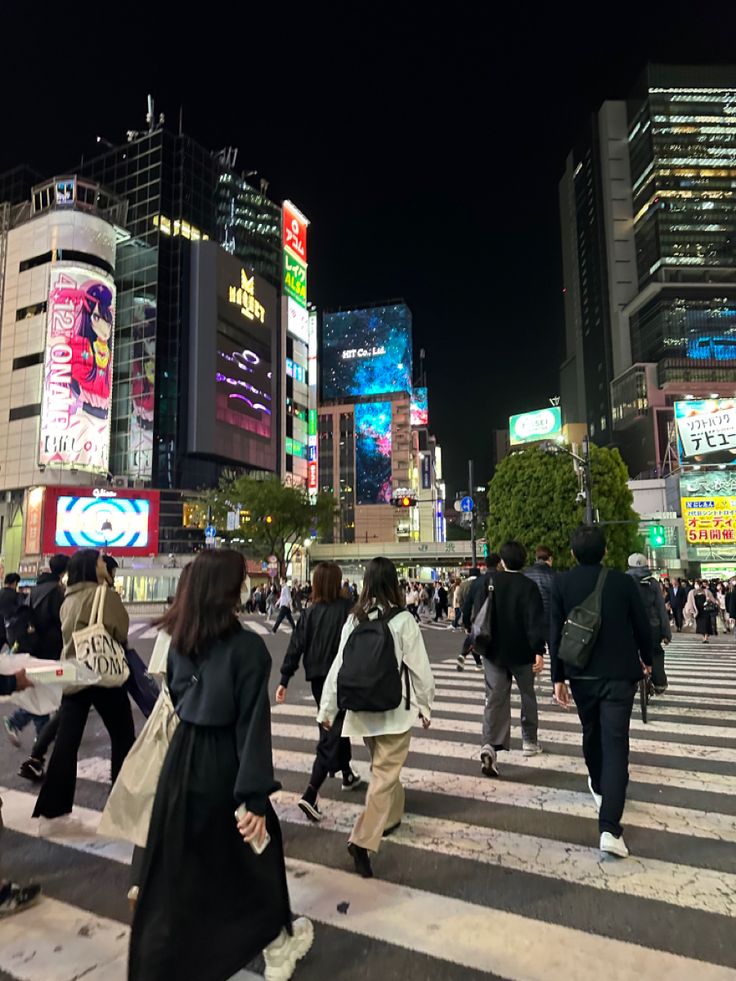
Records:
x=209, y=819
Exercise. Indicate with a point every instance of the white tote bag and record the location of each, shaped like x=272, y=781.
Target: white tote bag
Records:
x=98, y=650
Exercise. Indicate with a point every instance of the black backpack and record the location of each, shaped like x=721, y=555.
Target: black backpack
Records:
x=648, y=595
x=582, y=627
x=369, y=679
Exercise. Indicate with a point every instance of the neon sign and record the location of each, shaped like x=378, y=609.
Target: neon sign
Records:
x=244, y=297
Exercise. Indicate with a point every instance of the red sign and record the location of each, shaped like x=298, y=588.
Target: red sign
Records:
x=34, y=515
x=312, y=471
x=120, y=522
x=295, y=231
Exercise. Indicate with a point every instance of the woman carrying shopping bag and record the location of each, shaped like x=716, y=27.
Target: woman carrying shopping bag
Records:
x=213, y=890
x=93, y=619
x=383, y=679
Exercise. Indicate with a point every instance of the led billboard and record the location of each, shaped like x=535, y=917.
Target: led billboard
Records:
x=373, y=453
x=366, y=352
x=709, y=520
x=419, y=408
x=243, y=388
x=706, y=430
x=528, y=427
x=75, y=403
x=122, y=522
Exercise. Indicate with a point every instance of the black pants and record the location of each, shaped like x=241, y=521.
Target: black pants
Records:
x=677, y=614
x=284, y=614
x=659, y=677
x=412, y=608
x=45, y=737
x=57, y=793
x=605, y=708
x=333, y=750
x=468, y=649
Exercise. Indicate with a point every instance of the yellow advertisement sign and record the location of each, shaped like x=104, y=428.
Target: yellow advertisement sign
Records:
x=709, y=519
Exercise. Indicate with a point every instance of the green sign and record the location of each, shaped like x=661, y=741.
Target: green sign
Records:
x=657, y=537
x=529, y=427
x=312, y=422
x=295, y=278
x=716, y=570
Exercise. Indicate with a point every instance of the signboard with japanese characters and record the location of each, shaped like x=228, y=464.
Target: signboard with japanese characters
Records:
x=709, y=520
x=706, y=431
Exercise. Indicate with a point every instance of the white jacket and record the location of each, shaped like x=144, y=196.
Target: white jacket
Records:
x=410, y=650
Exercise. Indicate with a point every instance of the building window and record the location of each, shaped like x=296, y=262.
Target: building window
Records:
x=67, y=255
x=27, y=361
x=25, y=412
x=32, y=311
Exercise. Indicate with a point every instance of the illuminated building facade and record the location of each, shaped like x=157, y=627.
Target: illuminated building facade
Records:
x=649, y=259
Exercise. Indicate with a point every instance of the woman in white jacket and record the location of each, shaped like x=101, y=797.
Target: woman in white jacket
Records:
x=386, y=734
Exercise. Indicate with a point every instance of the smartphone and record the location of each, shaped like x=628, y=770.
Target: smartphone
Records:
x=257, y=849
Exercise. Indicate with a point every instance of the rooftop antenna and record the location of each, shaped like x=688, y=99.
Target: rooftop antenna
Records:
x=422, y=373
x=181, y=120
x=149, y=114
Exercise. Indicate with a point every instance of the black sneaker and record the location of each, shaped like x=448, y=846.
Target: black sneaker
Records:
x=461, y=662
x=352, y=781
x=31, y=769
x=390, y=831
x=362, y=860
x=489, y=767
x=310, y=809
x=15, y=898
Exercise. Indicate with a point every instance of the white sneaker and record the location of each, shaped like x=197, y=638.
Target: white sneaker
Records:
x=613, y=845
x=282, y=955
x=65, y=826
x=598, y=798
x=531, y=749
x=488, y=758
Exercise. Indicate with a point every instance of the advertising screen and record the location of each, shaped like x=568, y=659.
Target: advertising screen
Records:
x=709, y=520
x=121, y=522
x=373, y=452
x=419, y=407
x=528, y=427
x=366, y=352
x=706, y=430
x=243, y=388
x=75, y=405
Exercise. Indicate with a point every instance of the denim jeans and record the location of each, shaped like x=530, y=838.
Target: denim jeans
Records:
x=20, y=719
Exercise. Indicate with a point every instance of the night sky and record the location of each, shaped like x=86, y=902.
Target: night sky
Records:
x=425, y=148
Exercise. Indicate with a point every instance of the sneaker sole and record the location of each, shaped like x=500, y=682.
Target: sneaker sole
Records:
x=353, y=786
x=302, y=946
x=311, y=812
x=610, y=851
x=488, y=767
x=22, y=907
x=531, y=752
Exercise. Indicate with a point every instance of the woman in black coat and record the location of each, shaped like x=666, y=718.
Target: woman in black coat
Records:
x=208, y=901
x=317, y=639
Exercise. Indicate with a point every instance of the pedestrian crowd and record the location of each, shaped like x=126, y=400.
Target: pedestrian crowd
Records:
x=193, y=791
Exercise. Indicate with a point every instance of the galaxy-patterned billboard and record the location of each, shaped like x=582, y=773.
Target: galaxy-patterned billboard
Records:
x=419, y=407
x=373, y=452
x=366, y=352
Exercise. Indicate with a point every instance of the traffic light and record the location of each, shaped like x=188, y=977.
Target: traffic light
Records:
x=404, y=501
x=269, y=519
x=656, y=536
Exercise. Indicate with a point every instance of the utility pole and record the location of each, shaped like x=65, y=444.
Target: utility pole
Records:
x=587, y=483
x=473, y=547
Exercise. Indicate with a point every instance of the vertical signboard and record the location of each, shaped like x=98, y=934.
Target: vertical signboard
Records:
x=313, y=468
x=75, y=404
x=294, y=243
x=34, y=519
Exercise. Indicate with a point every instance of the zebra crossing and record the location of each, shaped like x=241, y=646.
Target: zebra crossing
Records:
x=496, y=878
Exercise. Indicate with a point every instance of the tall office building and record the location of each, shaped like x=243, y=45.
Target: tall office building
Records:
x=649, y=259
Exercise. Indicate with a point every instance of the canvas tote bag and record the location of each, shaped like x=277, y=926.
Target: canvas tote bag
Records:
x=98, y=650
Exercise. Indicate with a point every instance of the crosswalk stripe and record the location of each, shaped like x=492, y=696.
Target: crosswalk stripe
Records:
x=258, y=628
x=451, y=749
x=682, y=685
x=681, y=885
x=555, y=736
x=656, y=817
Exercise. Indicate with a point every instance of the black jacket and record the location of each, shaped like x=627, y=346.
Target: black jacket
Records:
x=731, y=603
x=229, y=688
x=518, y=630
x=11, y=602
x=624, y=636
x=45, y=603
x=543, y=575
x=317, y=639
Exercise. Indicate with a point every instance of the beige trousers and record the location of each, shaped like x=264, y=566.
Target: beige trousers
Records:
x=384, y=801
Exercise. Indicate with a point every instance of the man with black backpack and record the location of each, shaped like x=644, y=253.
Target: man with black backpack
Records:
x=382, y=679
x=659, y=621
x=599, y=637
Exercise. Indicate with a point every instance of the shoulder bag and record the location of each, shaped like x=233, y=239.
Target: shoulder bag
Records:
x=582, y=627
x=96, y=648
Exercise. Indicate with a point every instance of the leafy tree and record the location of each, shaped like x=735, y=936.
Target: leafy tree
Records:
x=272, y=519
x=532, y=498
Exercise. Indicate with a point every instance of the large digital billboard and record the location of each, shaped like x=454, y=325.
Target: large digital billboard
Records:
x=373, y=453
x=529, y=427
x=419, y=407
x=366, y=352
x=709, y=520
x=75, y=404
x=121, y=522
x=706, y=430
x=243, y=388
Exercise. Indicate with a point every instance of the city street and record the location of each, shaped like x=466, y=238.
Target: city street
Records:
x=483, y=879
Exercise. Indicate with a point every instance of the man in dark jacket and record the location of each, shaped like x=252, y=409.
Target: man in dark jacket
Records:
x=517, y=652
x=678, y=593
x=542, y=574
x=659, y=621
x=10, y=603
x=472, y=594
x=604, y=689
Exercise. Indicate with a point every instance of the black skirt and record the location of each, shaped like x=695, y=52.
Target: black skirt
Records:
x=208, y=904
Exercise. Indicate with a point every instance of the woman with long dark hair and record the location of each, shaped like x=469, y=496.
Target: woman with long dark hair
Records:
x=213, y=890
x=700, y=605
x=387, y=734
x=85, y=572
x=317, y=638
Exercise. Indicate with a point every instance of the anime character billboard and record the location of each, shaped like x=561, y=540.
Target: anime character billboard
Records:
x=75, y=404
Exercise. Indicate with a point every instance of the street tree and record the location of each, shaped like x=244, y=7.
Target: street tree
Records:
x=533, y=498
x=270, y=518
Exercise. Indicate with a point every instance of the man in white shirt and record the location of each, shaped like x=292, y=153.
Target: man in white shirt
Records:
x=284, y=605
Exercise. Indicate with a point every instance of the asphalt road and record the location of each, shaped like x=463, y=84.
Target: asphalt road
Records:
x=484, y=878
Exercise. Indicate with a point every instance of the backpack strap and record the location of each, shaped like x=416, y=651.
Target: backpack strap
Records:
x=394, y=612
x=598, y=591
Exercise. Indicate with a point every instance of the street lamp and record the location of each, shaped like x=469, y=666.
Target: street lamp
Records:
x=586, y=495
